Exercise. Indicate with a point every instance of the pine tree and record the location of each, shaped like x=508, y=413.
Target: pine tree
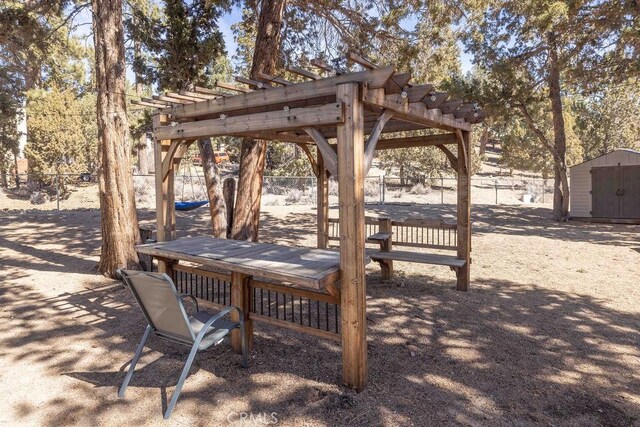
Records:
x=537, y=49
x=56, y=141
x=178, y=49
x=118, y=217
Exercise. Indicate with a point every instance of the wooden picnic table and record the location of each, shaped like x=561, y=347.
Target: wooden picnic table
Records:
x=311, y=268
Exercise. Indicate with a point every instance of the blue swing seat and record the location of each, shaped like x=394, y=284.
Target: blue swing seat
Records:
x=188, y=206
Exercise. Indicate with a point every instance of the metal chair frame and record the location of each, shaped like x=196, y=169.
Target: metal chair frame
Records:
x=194, y=344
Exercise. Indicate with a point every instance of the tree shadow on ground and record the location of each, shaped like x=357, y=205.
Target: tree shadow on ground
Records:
x=504, y=353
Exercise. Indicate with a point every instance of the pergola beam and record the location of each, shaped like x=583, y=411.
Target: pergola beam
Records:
x=268, y=121
x=273, y=79
x=231, y=86
x=319, y=63
x=415, y=112
x=158, y=104
x=144, y=103
x=172, y=101
x=434, y=100
x=363, y=62
x=462, y=111
x=196, y=95
x=304, y=73
x=416, y=141
x=208, y=91
x=252, y=83
x=179, y=97
x=450, y=106
x=298, y=92
x=397, y=83
x=418, y=93
x=279, y=136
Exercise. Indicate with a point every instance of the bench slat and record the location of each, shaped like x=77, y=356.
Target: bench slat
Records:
x=418, y=257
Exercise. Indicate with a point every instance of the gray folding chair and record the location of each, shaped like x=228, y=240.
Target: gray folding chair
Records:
x=162, y=306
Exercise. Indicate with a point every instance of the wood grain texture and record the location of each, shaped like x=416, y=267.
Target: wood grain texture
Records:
x=352, y=240
x=464, y=213
x=264, y=98
x=269, y=121
x=311, y=268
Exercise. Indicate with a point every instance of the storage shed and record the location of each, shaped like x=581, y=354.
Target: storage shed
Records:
x=607, y=187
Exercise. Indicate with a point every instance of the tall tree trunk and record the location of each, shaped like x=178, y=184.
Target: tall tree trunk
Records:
x=561, y=181
x=118, y=219
x=246, y=220
x=213, y=183
x=484, y=139
x=142, y=146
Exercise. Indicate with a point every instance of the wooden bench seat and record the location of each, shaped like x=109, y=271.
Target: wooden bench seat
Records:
x=418, y=257
x=411, y=233
x=379, y=237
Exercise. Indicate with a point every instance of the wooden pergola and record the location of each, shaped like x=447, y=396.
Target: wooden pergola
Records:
x=345, y=116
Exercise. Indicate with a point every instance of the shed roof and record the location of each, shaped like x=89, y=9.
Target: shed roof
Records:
x=628, y=150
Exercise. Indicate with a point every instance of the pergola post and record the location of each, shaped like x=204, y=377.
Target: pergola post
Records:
x=322, y=202
x=464, y=209
x=165, y=195
x=350, y=135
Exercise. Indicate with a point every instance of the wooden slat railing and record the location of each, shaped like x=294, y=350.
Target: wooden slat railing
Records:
x=299, y=309
x=411, y=232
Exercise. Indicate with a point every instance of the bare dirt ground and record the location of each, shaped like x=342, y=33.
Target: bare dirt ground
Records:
x=547, y=335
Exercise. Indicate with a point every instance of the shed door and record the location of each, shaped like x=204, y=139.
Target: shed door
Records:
x=615, y=192
x=604, y=183
x=630, y=189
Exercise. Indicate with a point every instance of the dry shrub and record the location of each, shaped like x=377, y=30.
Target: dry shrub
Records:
x=38, y=197
x=420, y=189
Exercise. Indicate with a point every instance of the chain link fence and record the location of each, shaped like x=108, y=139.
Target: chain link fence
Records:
x=80, y=191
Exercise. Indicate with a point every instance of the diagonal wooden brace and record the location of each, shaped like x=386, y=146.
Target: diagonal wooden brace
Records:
x=464, y=156
x=376, y=131
x=177, y=149
x=329, y=156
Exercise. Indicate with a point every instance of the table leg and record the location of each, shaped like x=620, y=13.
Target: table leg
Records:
x=165, y=265
x=241, y=297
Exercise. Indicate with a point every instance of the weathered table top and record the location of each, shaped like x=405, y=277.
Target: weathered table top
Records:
x=314, y=268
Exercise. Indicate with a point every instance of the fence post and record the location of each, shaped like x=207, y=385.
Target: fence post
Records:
x=441, y=190
x=384, y=188
x=496, y=185
x=381, y=199
x=58, y=192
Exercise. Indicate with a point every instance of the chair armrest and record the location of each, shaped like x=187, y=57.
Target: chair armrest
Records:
x=214, y=319
x=195, y=301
